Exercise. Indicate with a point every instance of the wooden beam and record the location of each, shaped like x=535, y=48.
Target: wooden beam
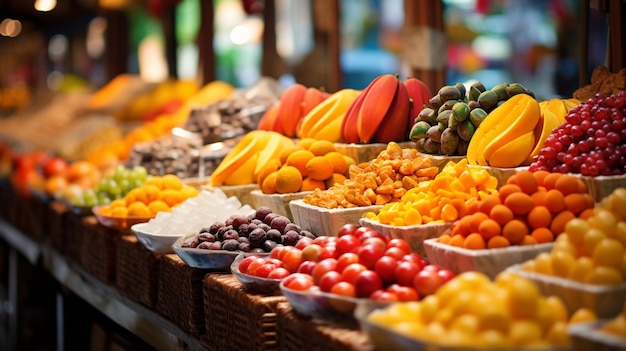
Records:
x=204, y=41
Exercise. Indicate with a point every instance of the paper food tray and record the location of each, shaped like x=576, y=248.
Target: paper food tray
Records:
x=415, y=235
x=279, y=203
x=323, y=221
x=602, y=186
x=606, y=300
x=589, y=336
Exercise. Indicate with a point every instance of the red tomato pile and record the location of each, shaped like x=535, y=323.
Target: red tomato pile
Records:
x=358, y=262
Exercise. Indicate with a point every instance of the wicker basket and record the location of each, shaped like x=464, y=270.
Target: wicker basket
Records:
x=235, y=319
x=137, y=271
x=53, y=224
x=75, y=228
x=296, y=333
x=179, y=294
x=98, y=251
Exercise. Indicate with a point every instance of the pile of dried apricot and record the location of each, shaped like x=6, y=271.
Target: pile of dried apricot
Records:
x=530, y=208
x=382, y=180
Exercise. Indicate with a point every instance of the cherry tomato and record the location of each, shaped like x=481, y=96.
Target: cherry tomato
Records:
x=375, y=241
x=386, y=269
x=351, y=272
x=401, y=244
x=445, y=274
x=298, y=281
x=256, y=263
x=347, y=229
x=306, y=267
x=328, y=279
x=367, y=282
x=292, y=259
x=264, y=270
x=328, y=251
x=395, y=252
x=403, y=293
x=346, y=259
x=344, y=289
x=369, y=254
x=243, y=265
x=311, y=252
x=347, y=243
x=417, y=258
x=322, y=267
x=279, y=273
x=406, y=272
x=427, y=281
x=383, y=295
x=303, y=242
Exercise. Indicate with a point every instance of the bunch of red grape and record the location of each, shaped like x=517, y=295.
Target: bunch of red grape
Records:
x=591, y=141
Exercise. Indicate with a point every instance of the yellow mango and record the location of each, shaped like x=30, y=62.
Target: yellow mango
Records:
x=547, y=122
x=515, y=117
x=514, y=153
x=245, y=149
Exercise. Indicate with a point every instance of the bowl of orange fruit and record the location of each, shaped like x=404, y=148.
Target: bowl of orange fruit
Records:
x=140, y=204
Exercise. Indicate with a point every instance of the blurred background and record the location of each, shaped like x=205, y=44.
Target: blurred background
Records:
x=50, y=45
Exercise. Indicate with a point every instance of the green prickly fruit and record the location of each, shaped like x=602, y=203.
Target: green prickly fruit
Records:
x=431, y=146
x=419, y=130
x=477, y=116
x=501, y=92
x=466, y=130
x=449, y=92
x=461, y=88
x=449, y=141
x=460, y=111
x=434, y=133
x=427, y=115
x=475, y=89
x=487, y=100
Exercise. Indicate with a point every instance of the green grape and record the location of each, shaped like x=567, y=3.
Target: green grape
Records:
x=103, y=199
x=125, y=185
x=140, y=173
x=89, y=198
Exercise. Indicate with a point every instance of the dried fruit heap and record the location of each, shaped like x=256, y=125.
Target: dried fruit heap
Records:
x=377, y=182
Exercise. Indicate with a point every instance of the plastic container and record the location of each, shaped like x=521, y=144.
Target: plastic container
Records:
x=253, y=283
x=122, y=223
x=207, y=259
x=279, y=203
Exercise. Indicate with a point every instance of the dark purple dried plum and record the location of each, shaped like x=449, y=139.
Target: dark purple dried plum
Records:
x=243, y=239
x=291, y=238
x=292, y=226
x=228, y=221
x=245, y=247
x=274, y=235
x=268, y=245
x=230, y=244
x=202, y=237
x=308, y=234
x=192, y=242
x=217, y=245
x=238, y=220
x=264, y=226
x=280, y=222
x=205, y=230
x=257, y=237
x=262, y=211
x=257, y=250
x=244, y=229
x=205, y=245
x=220, y=232
x=270, y=216
x=213, y=228
x=231, y=234
x=256, y=221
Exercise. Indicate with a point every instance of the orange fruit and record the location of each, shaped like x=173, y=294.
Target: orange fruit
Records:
x=566, y=184
x=498, y=242
x=284, y=154
x=501, y=214
x=157, y=206
x=520, y=203
x=172, y=181
x=339, y=162
x=171, y=197
x=139, y=209
x=334, y=179
x=474, y=241
x=515, y=231
x=319, y=168
x=288, y=180
x=269, y=183
x=554, y=201
x=299, y=159
x=321, y=147
x=539, y=217
x=309, y=184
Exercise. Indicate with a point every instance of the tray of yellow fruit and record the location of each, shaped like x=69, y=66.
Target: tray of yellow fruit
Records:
x=108, y=218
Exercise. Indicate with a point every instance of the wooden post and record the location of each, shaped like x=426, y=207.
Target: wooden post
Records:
x=272, y=65
x=617, y=38
x=204, y=41
x=425, y=42
x=168, y=22
x=116, y=43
